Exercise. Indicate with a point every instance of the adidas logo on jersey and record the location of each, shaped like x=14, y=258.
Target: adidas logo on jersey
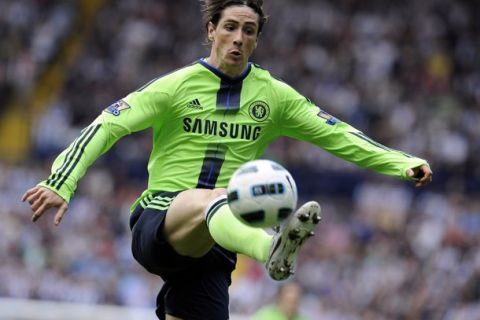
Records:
x=194, y=104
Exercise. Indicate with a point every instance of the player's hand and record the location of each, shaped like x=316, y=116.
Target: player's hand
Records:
x=422, y=175
x=41, y=199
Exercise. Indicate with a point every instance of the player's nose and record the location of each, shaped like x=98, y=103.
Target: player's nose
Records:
x=238, y=38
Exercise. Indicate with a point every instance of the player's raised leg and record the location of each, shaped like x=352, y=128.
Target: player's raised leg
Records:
x=198, y=218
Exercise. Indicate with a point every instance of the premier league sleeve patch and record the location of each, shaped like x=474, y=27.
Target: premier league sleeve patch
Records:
x=331, y=120
x=117, y=107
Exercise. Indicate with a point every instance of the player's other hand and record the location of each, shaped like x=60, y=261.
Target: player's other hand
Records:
x=41, y=199
x=422, y=175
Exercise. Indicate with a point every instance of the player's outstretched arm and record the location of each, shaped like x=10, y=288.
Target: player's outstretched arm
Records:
x=421, y=174
x=41, y=199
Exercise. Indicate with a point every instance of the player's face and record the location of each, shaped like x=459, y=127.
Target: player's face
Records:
x=289, y=299
x=233, y=39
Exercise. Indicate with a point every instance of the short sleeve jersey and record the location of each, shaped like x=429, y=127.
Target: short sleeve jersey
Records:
x=206, y=124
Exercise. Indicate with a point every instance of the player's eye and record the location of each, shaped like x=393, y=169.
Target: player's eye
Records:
x=229, y=27
x=250, y=31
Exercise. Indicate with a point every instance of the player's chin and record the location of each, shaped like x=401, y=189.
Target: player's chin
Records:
x=236, y=59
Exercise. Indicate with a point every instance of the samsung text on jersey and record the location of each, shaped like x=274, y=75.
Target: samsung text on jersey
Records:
x=221, y=128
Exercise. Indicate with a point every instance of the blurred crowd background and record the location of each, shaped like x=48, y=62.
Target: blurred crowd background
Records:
x=407, y=73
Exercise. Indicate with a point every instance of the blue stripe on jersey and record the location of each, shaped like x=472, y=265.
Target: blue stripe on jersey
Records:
x=79, y=156
x=52, y=181
x=212, y=163
x=228, y=99
x=228, y=96
x=362, y=136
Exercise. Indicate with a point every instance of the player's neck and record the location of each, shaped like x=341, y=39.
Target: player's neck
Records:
x=229, y=70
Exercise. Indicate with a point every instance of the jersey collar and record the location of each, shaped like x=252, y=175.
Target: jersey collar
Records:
x=222, y=75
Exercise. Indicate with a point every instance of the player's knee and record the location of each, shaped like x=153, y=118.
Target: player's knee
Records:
x=208, y=198
x=185, y=226
x=216, y=193
x=194, y=204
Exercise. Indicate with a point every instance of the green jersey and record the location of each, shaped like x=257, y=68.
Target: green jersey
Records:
x=272, y=312
x=206, y=124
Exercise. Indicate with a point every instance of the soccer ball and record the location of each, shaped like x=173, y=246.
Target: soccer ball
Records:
x=262, y=193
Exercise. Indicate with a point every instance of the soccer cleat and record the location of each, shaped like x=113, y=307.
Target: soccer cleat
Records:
x=289, y=238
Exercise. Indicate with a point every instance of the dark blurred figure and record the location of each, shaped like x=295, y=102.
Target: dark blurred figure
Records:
x=285, y=307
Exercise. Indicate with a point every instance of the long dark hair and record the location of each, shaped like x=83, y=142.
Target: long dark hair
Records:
x=212, y=10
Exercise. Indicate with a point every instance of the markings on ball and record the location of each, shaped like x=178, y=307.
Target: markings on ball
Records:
x=264, y=189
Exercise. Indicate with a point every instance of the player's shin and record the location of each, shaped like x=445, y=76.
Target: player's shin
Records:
x=233, y=235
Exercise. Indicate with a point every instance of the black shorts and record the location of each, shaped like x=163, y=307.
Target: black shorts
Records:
x=194, y=288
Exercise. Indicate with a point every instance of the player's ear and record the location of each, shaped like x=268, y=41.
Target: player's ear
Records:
x=256, y=40
x=211, y=31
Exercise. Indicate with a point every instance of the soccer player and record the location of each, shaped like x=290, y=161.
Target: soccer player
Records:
x=286, y=305
x=208, y=118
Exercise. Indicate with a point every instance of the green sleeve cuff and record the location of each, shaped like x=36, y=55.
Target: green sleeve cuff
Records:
x=413, y=163
x=64, y=194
